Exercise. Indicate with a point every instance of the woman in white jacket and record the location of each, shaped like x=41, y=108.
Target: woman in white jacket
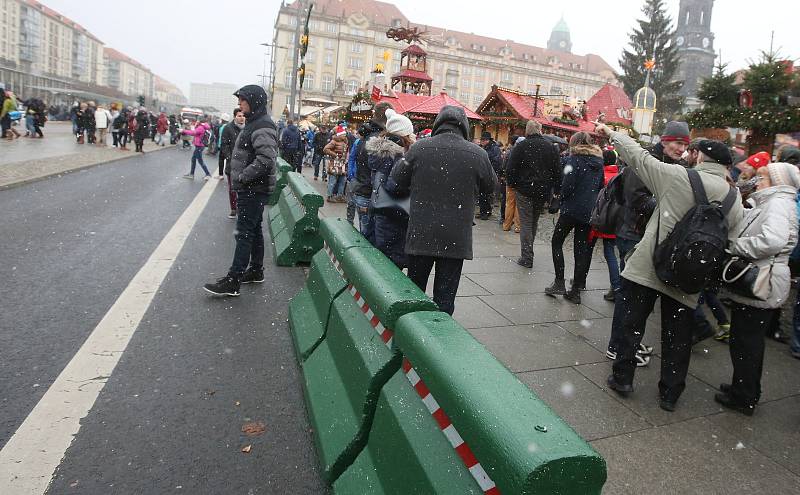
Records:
x=768, y=235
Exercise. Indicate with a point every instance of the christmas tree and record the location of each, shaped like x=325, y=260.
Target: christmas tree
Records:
x=653, y=40
x=719, y=94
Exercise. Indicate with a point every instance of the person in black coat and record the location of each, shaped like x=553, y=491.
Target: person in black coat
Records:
x=142, y=130
x=321, y=138
x=291, y=143
x=495, y=158
x=444, y=174
x=533, y=171
x=362, y=185
x=230, y=131
x=581, y=183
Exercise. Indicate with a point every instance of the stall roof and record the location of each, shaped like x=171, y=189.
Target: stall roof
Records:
x=434, y=104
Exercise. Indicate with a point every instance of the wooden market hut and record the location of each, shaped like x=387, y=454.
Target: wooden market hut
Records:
x=424, y=113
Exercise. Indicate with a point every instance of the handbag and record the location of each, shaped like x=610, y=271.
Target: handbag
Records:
x=742, y=277
x=382, y=199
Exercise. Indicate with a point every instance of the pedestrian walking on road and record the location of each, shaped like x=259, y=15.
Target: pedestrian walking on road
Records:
x=444, y=175
x=8, y=105
x=162, y=126
x=675, y=196
x=102, y=118
x=253, y=170
x=142, y=129
x=201, y=133
x=227, y=141
x=767, y=237
x=581, y=182
x=532, y=171
x=495, y=158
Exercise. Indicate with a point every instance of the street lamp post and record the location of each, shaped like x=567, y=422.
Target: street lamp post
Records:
x=272, y=62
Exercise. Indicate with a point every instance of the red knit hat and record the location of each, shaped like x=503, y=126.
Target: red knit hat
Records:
x=340, y=131
x=760, y=159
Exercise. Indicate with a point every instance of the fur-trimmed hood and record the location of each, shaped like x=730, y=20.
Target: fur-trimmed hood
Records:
x=384, y=147
x=586, y=149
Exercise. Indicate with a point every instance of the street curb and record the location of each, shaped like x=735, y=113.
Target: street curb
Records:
x=30, y=180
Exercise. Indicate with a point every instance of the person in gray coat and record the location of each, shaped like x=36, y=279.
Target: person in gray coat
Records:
x=670, y=186
x=767, y=236
x=444, y=175
x=252, y=171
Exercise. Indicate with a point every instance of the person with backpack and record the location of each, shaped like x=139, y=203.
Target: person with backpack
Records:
x=290, y=146
x=680, y=253
x=201, y=134
x=253, y=170
x=580, y=185
x=532, y=171
x=766, y=239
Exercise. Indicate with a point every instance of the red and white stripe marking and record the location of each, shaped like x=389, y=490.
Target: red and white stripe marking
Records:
x=448, y=429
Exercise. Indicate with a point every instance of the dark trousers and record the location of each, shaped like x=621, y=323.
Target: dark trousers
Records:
x=445, y=282
x=249, y=236
x=748, y=326
x=529, y=211
x=583, y=256
x=221, y=164
x=676, y=339
x=502, y=194
x=115, y=138
x=291, y=157
x=316, y=161
x=624, y=246
x=485, y=203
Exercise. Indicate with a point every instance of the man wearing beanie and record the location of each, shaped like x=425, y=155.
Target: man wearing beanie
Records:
x=641, y=286
x=443, y=174
x=252, y=171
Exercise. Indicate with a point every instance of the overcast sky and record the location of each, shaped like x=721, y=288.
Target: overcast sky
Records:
x=215, y=41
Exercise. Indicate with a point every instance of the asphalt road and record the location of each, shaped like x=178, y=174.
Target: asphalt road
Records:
x=197, y=369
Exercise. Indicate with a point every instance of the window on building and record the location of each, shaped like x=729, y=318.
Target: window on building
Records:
x=507, y=77
x=328, y=59
x=467, y=70
x=477, y=100
x=287, y=79
x=311, y=55
x=356, y=47
x=702, y=15
x=395, y=67
x=327, y=83
x=480, y=72
x=477, y=86
x=288, y=100
x=292, y=21
x=293, y=39
x=351, y=87
x=465, y=97
x=687, y=18
x=396, y=23
x=355, y=63
x=308, y=82
x=556, y=90
x=452, y=81
x=330, y=27
x=466, y=83
x=328, y=43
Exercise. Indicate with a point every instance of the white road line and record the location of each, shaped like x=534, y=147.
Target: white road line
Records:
x=32, y=454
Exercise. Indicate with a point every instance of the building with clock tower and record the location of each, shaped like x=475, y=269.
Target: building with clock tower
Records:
x=695, y=43
x=559, y=38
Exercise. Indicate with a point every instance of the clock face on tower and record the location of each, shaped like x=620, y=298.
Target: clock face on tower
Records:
x=706, y=42
x=562, y=44
x=679, y=40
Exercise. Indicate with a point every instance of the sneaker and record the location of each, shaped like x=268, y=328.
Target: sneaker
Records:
x=610, y=295
x=557, y=288
x=623, y=390
x=206, y=178
x=611, y=354
x=232, y=214
x=253, y=276
x=523, y=263
x=644, y=350
x=573, y=296
x=723, y=333
x=641, y=361
x=220, y=177
x=188, y=176
x=226, y=286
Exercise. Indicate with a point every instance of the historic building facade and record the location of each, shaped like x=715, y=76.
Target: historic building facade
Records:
x=348, y=38
x=695, y=43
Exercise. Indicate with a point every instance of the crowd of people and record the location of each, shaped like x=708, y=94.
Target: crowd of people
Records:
x=33, y=113
x=689, y=222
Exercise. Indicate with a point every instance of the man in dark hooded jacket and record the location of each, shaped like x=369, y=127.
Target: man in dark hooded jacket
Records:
x=252, y=171
x=444, y=175
x=290, y=146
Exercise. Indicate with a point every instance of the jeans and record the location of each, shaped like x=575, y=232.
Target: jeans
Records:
x=676, y=339
x=528, y=223
x=609, y=247
x=748, y=326
x=624, y=246
x=583, y=257
x=364, y=220
x=445, y=282
x=336, y=185
x=249, y=236
x=316, y=161
x=197, y=156
x=29, y=125
x=710, y=299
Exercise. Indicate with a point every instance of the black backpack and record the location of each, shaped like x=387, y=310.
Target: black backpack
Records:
x=608, y=212
x=693, y=254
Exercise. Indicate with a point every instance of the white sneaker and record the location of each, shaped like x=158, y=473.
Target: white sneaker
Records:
x=206, y=178
x=188, y=176
x=641, y=361
x=644, y=350
x=611, y=354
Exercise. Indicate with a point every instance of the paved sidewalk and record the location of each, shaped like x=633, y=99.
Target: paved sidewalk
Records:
x=25, y=160
x=558, y=350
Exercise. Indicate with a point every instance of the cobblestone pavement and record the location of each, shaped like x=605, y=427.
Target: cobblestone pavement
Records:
x=24, y=160
x=558, y=350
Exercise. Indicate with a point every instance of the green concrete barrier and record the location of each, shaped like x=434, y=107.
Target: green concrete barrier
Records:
x=283, y=169
x=520, y=441
x=294, y=222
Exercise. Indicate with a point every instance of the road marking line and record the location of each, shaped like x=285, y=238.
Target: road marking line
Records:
x=31, y=456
